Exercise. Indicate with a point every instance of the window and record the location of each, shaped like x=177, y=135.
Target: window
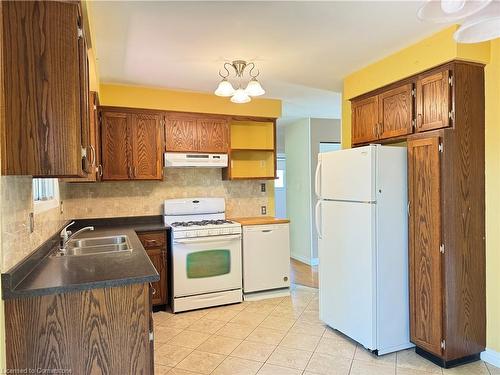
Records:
x=329, y=146
x=45, y=193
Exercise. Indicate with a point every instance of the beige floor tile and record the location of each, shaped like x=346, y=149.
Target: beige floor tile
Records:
x=367, y=368
x=493, y=370
x=189, y=339
x=410, y=371
x=179, y=371
x=261, y=309
x=181, y=321
x=362, y=354
x=310, y=317
x=333, y=334
x=266, y=336
x=222, y=314
x=312, y=329
x=278, y=323
x=235, y=330
x=292, y=358
x=249, y=318
x=237, y=366
x=219, y=345
x=409, y=359
x=336, y=347
x=300, y=341
x=162, y=370
x=170, y=355
x=325, y=364
x=286, y=313
x=163, y=334
x=201, y=362
x=206, y=325
x=475, y=368
x=194, y=314
x=160, y=318
x=268, y=369
x=255, y=351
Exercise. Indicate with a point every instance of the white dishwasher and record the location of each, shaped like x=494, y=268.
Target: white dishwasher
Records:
x=266, y=257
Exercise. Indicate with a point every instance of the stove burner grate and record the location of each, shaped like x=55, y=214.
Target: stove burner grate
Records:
x=200, y=223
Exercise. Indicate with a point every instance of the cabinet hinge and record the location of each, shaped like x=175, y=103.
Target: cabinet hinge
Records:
x=151, y=336
x=80, y=32
x=450, y=80
x=413, y=123
x=84, y=152
x=413, y=92
x=95, y=107
x=441, y=248
x=441, y=147
x=408, y=207
x=451, y=115
x=443, y=344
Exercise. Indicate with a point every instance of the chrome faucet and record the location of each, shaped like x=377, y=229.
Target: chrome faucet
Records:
x=66, y=235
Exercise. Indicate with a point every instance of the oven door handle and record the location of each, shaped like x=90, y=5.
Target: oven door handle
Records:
x=209, y=239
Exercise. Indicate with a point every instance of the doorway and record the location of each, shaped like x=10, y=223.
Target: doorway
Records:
x=280, y=187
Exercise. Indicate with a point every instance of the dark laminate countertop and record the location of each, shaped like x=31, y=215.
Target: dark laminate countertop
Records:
x=42, y=274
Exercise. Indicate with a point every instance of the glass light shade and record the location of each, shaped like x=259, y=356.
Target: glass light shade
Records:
x=225, y=88
x=254, y=88
x=240, y=96
x=450, y=10
x=482, y=26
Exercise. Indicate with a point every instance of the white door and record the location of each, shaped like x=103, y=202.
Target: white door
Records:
x=206, y=264
x=347, y=175
x=266, y=257
x=347, y=268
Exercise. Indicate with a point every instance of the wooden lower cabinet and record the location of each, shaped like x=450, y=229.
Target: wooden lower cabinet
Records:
x=155, y=243
x=98, y=331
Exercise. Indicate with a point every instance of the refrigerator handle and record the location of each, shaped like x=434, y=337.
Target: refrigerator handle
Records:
x=317, y=220
x=317, y=180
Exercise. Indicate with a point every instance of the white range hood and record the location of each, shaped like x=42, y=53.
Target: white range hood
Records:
x=183, y=160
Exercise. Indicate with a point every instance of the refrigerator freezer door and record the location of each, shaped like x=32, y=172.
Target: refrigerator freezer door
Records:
x=347, y=175
x=347, y=269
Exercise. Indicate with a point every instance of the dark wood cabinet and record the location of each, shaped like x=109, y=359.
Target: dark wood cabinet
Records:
x=155, y=243
x=396, y=112
x=365, y=120
x=426, y=287
x=196, y=133
x=131, y=145
x=44, y=109
x=434, y=108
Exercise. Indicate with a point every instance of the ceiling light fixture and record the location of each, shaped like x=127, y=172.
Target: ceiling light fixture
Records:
x=480, y=19
x=253, y=87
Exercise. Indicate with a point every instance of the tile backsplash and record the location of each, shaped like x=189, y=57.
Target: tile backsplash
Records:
x=107, y=199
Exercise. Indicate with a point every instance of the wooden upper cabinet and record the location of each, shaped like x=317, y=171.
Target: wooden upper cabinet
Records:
x=365, y=120
x=145, y=135
x=213, y=135
x=44, y=89
x=116, y=147
x=434, y=103
x=181, y=133
x=396, y=112
x=426, y=279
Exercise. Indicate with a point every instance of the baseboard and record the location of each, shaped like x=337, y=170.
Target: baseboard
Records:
x=314, y=261
x=302, y=259
x=492, y=357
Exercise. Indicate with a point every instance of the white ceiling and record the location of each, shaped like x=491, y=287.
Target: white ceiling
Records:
x=303, y=49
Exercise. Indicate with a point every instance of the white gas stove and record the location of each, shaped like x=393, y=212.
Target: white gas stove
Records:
x=206, y=253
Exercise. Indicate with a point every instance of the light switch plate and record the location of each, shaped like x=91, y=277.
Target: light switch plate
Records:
x=263, y=187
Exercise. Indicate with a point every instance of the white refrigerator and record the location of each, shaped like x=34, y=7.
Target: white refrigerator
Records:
x=362, y=227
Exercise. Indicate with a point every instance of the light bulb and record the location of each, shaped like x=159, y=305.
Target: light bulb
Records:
x=254, y=88
x=240, y=97
x=225, y=88
x=452, y=6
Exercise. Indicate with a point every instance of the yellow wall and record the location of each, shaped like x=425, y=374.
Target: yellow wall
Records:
x=425, y=54
x=186, y=101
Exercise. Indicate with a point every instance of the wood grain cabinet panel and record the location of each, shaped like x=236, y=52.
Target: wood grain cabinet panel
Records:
x=426, y=291
x=116, y=146
x=181, y=133
x=433, y=101
x=98, y=331
x=365, y=120
x=213, y=135
x=396, y=112
x=145, y=132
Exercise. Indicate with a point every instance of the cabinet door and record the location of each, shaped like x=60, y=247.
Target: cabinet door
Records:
x=213, y=135
x=116, y=149
x=426, y=286
x=181, y=133
x=41, y=110
x=159, y=260
x=364, y=120
x=145, y=134
x=433, y=101
x=87, y=162
x=396, y=112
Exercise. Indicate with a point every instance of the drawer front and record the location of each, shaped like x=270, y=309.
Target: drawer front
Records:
x=153, y=240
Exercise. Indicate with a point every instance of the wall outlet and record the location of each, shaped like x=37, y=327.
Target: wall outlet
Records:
x=31, y=222
x=263, y=187
x=263, y=210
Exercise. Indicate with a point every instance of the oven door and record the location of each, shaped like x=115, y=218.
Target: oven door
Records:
x=206, y=264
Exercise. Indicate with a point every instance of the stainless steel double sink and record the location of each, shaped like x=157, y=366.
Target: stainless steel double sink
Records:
x=95, y=245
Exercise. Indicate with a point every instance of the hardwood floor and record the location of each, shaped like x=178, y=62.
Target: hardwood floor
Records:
x=304, y=274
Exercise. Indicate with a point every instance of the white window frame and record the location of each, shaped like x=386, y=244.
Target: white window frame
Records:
x=47, y=204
